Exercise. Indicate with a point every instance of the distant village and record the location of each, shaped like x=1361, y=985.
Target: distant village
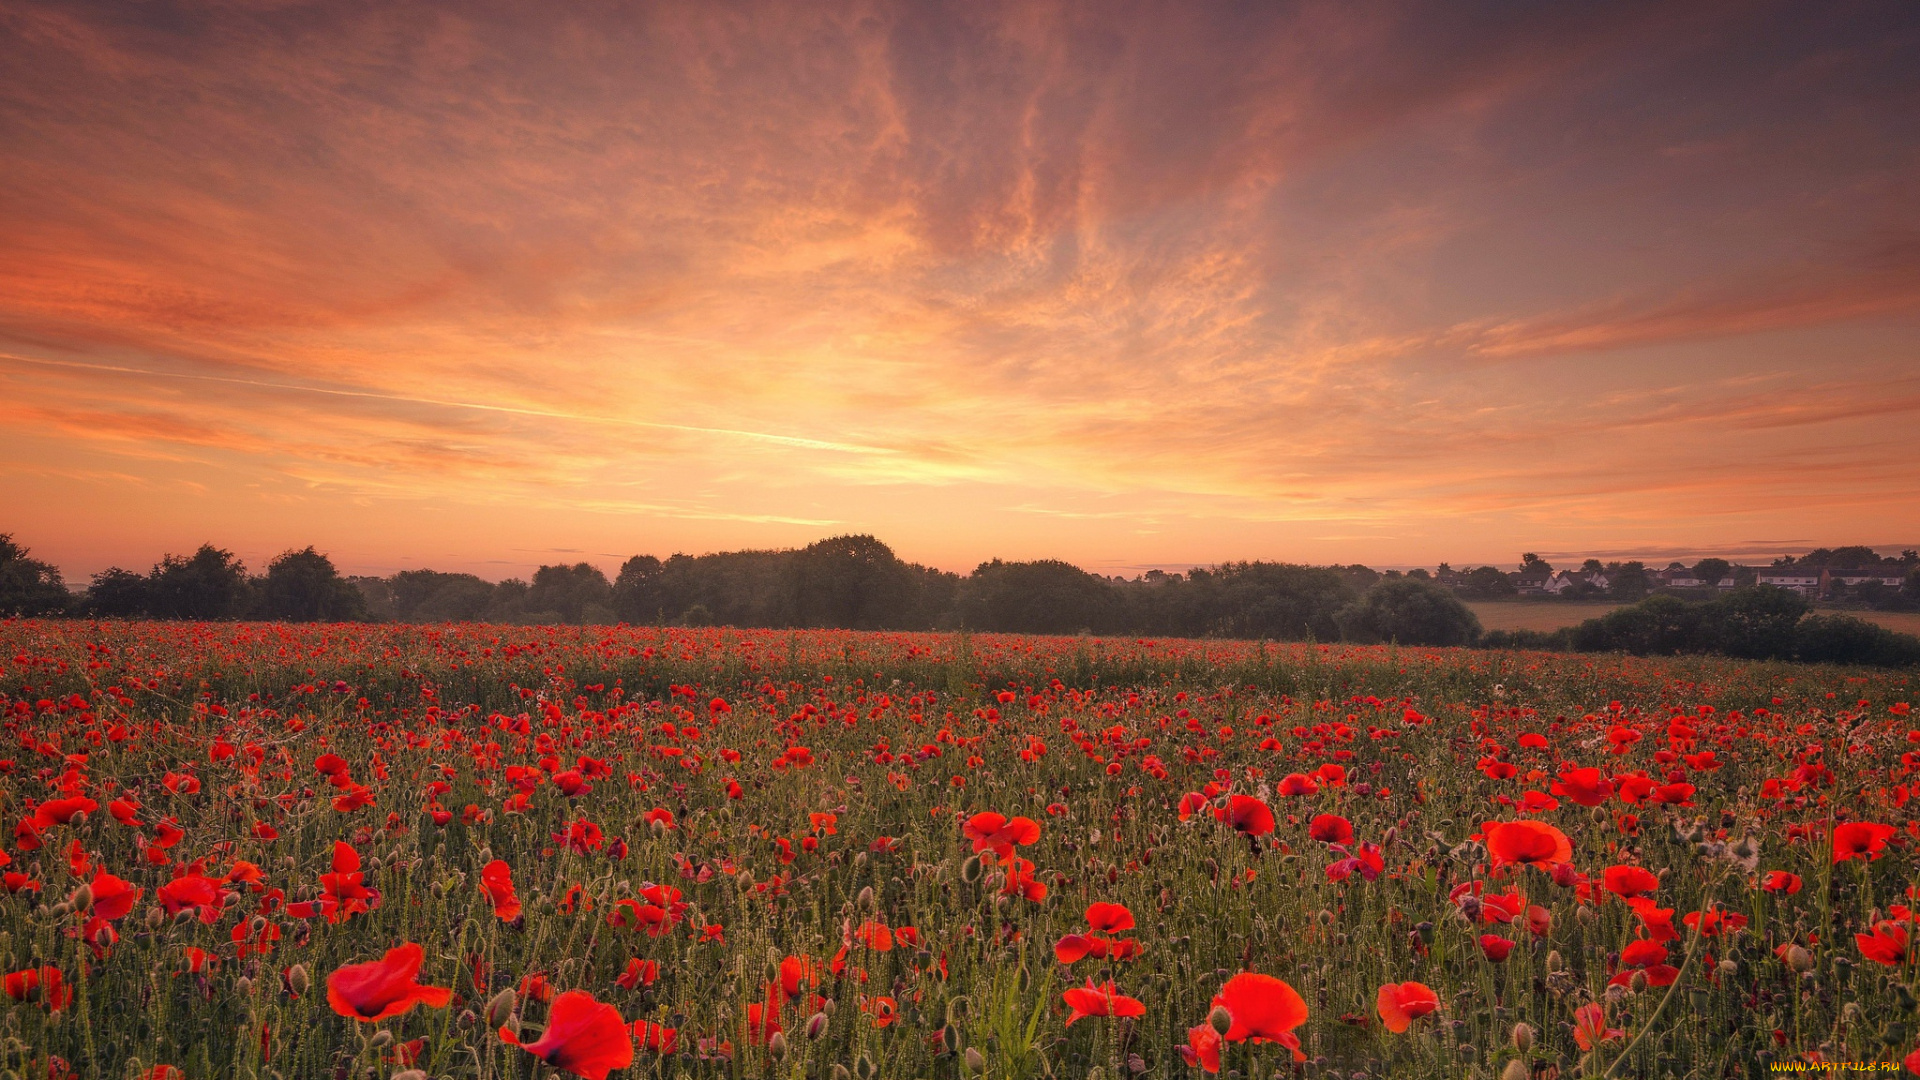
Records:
x=1856, y=574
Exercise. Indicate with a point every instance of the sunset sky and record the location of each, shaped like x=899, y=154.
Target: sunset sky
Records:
x=481, y=286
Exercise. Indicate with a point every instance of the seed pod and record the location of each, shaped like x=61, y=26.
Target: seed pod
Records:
x=499, y=1007
x=1220, y=1019
x=1799, y=959
x=257, y=924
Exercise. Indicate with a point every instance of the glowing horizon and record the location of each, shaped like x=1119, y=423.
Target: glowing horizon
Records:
x=477, y=288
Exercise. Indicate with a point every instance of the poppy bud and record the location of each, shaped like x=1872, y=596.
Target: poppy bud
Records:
x=860, y=860
x=155, y=918
x=82, y=898
x=827, y=1005
x=1799, y=959
x=1425, y=930
x=499, y=1007
x=1326, y=917
x=243, y=985
x=816, y=1025
x=976, y=1062
x=381, y=1038
x=957, y=1009
x=1555, y=961
x=410, y=1074
x=1727, y=969
x=1465, y=1052
x=839, y=1072
x=1220, y=1019
x=1023, y=978
x=1586, y=914
x=864, y=1068
x=971, y=869
x=1615, y=994
x=865, y=899
x=777, y=1046
x=1638, y=982
x=297, y=979
x=468, y=1018
x=257, y=924
x=950, y=1039
x=1522, y=1037
x=79, y=820
x=1515, y=1070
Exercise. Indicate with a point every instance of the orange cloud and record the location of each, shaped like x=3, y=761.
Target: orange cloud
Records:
x=1118, y=284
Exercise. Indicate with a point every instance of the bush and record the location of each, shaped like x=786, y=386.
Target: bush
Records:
x=1843, y=639
x=1411, y=612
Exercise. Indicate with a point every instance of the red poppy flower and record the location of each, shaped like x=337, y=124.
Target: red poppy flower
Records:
x=1590, y=1027
x=1247, y=815
x=1331, y=829
x=656, y=1038
x=1781, y=881
x=874, y=936
x=1587, y=787
x=496, y=881
x=1264, y=1009
x=1887, y=944
x=1657, y=920
x=54, y=993
x=1495, y=947
x=1627, y=882
x=1715, y=922
x=113, y=897
x=1860, y=839
x=640, y=973
x=1109, y=918
x=1298, y=784
x=585, y=1037
x=998, y=833
x=1072, y=948
x=1202, y=1048
x=1400, y=1004
x=1103, y=1000
x=1526, y=843
x=385, y=987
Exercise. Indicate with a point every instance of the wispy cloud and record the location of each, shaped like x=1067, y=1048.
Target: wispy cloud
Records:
x=1309, y=281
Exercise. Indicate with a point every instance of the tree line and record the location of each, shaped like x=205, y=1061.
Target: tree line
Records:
x=857, y=582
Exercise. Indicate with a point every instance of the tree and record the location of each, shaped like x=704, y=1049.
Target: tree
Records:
x=1712, y=571
x=577, y=594
x=1756, y=622
x=1043, y=597
x=1628, y=580
x=1844, y=639
x=119, y=594
x=1486, y=583
x=1532, y=563
x=209, y=584
x=854, y=582
x=1411, y=612
x=637, y=593
x=29, y=586
x=1660, y=625
x=303, y=586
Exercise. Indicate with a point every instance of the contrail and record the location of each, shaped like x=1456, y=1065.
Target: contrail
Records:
x=759, y=436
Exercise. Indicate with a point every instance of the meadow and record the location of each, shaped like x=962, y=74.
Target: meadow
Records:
x=264, y=850
x=1550, y=615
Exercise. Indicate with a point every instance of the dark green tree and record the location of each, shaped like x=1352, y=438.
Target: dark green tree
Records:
x=1756, y=622
x=209, y=584
x=1712, y=571
x=1487, y=583
x=577, y=594
x=1043, y=597
x=29, y=586
x=1410, y=612
x=304, y=586
x=119, y=594
x=638, y=593
x=854, y=582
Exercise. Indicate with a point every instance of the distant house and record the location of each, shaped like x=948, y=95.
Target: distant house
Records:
x=1678, y=577
x=1531, y=580
x=1805, y=580
x=1890, y=576
x=1563, y=580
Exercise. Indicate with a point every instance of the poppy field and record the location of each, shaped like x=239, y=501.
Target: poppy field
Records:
x=260, y=850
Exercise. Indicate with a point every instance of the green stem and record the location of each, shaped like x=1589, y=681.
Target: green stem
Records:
x=1693, y=948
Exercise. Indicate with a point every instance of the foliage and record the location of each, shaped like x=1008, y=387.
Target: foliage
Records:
x=29, y=586
x=1409, y=612
x=353, y=849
